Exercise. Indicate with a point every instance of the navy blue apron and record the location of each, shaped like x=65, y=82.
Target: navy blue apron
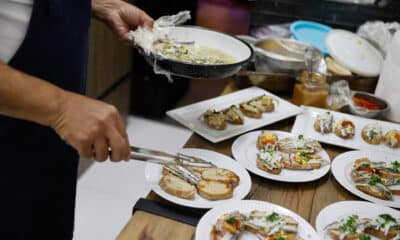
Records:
x=38, y=170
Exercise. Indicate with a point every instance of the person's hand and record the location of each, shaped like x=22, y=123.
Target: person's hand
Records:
x=91, y=127
x=121, y=16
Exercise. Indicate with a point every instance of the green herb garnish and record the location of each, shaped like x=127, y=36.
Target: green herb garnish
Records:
x=350, y=225
x=305, y=155
x=231, y=220
x=301, y=137
x=387, y=218
x=364, y=237
x=364, y=164
x=272, y=217
x=372, y=134
x=375, y=180
x=282, y=238
x=395, y=166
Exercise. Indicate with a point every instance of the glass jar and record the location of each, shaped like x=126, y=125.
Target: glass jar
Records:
x=311, y=89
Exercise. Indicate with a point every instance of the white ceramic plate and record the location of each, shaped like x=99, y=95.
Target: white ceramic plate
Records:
x=345, y=209
x=245, y=151
x=354, y=53
x=341, y=168
x=153, y=174
x=305, y=230
x=305, y=123
x=189, y=115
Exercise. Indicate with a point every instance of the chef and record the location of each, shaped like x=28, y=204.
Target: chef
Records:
x=45, y=121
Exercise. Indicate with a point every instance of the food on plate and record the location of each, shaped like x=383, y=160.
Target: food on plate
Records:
x=376, y=178
x=265, y=225
x=298, y=144
x=191, y=53
x=324, y=123
x=375, y=187
x=348, y=228
x=392, y=138
x=303, y=161
x=385, y=226
x=252, y=109
x=267, y=139
x=228, y=226
x=266, y=101
x=177, y=186
x=345, y=129
x=214, y=119
x=372, y=133
x=271, y=225
x=214, y=190
x=233, y=115
x=353, y=227
x=220, y=175
x=269, y=161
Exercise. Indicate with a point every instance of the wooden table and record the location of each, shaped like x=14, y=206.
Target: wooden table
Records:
x=306, y=199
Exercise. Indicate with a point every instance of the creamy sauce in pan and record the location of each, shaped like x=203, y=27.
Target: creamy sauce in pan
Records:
x=192, y=53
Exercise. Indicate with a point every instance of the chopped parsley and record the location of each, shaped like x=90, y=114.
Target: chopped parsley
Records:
x=272, y=217
x=364, y=237
x=231, y=220
x=305, y=156
x=365, y=164
x=387, y=218
x=375, y=180
x=350, y=225
x=301, y=137
x=282, y=238
x=372, y=134
x=395, y=166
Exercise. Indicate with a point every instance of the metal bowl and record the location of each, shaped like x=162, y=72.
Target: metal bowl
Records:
x=279, y=55
x=363, y=112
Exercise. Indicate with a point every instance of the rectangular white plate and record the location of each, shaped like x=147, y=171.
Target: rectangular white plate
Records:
x=304, y=124
x=189, y=115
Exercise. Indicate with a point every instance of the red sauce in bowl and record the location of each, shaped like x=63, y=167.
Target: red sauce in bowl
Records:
x=365, y=103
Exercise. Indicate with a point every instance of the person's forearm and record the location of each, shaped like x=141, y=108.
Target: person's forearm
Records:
x=26, y=97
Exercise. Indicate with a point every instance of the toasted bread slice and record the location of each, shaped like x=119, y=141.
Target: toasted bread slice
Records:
x=261, y=165
x=381, y=235
x=220, y=175
x=345, y=129
x=214, y=119
x=250, y=110
x=372, y=134
x=392, y=138
x=267, y=138
x=335, y=235
x=198, y=170
x=228, y=226
x=302, y=161
x=177, y=186
x=324, y=123
x=372, y=190
x=233, y=115
x=214, y=190
x=266, y=101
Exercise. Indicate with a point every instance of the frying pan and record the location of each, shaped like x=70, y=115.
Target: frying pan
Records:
x=233, y=46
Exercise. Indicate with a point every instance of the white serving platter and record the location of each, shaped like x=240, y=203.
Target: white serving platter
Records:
x=189, y=116
x=153, y=174
x=245, y=151
x=344, y=209
x=305, y=230
x=305, y=121
x=343, y=164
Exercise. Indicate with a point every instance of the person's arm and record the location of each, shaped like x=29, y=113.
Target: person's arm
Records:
x=120, y=16
x=88, y=125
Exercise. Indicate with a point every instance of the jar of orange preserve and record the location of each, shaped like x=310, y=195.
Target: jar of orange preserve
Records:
x=311, y=89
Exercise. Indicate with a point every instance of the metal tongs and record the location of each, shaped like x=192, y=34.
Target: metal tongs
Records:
x=177, y=164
